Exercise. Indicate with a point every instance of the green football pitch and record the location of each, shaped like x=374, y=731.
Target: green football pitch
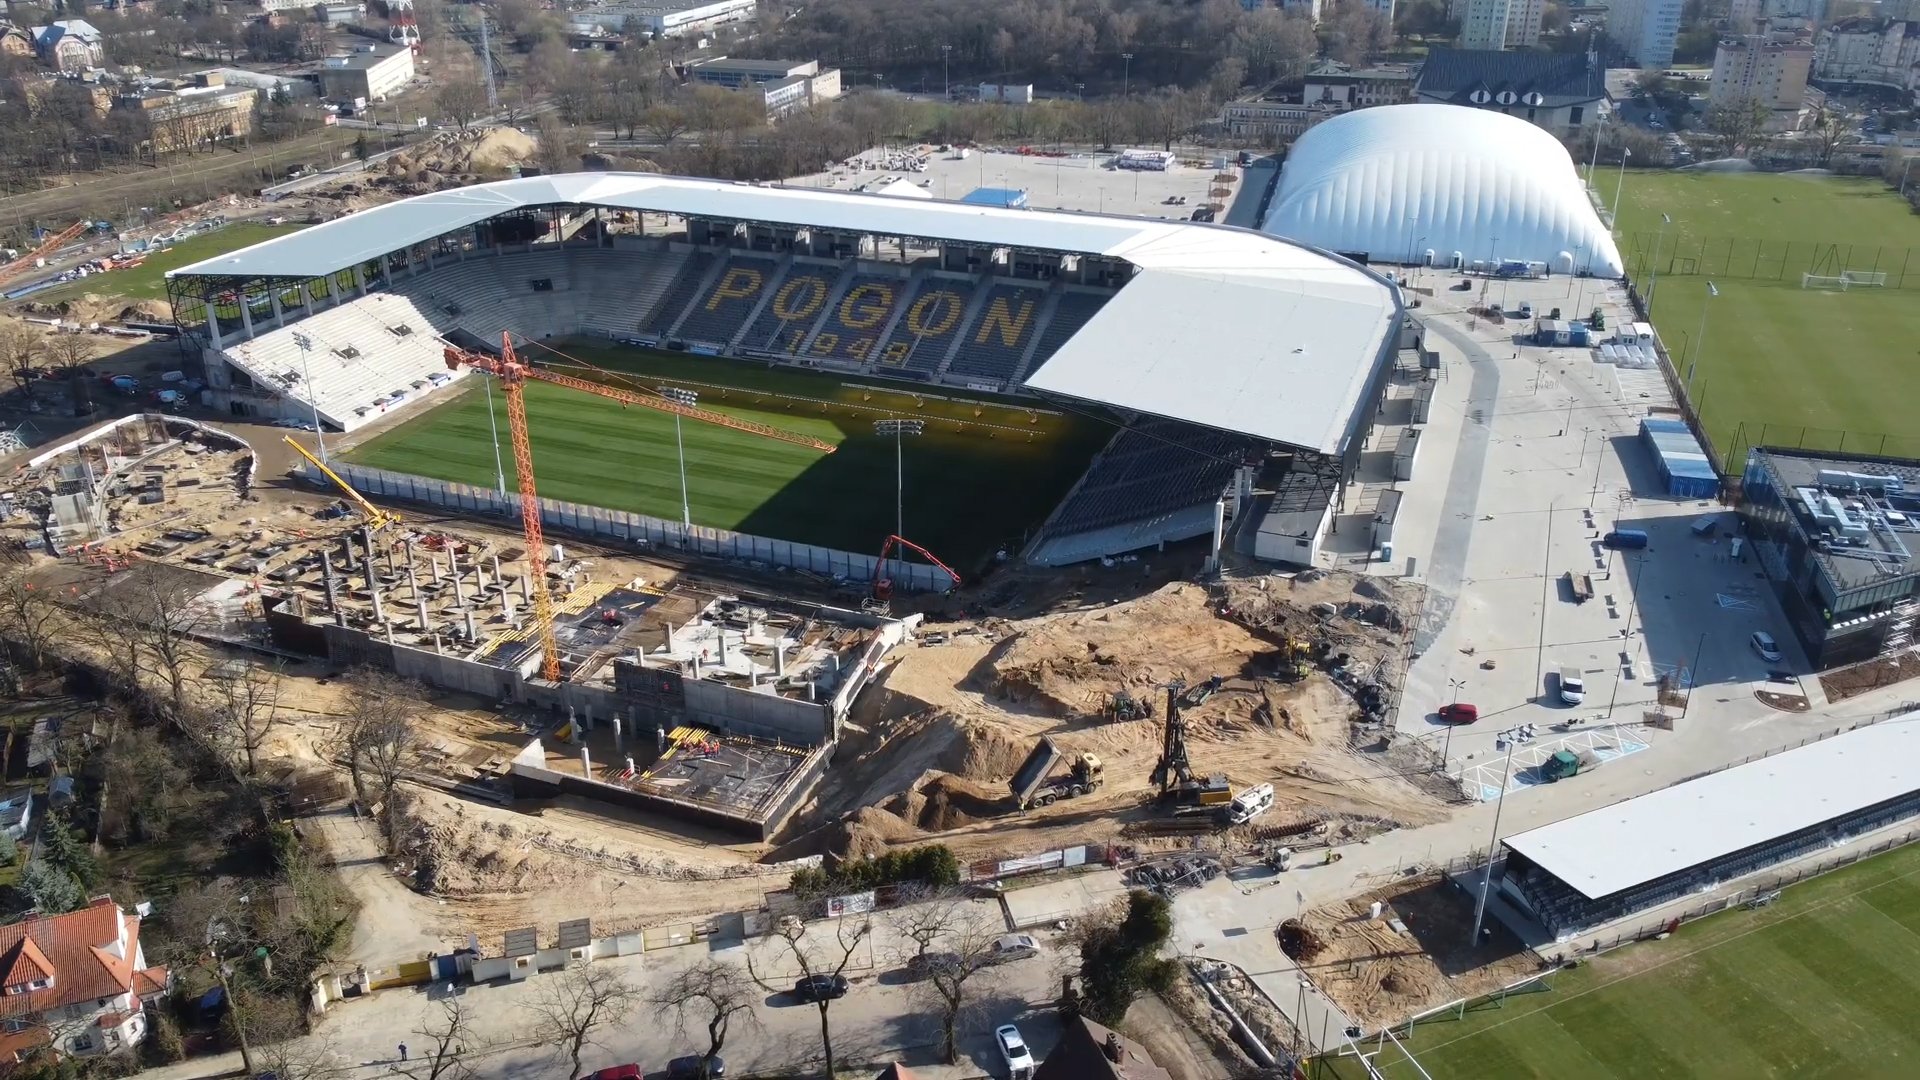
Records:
x=1822, y=983
x=1814, y=365
x=148, y=281
x=983, y=474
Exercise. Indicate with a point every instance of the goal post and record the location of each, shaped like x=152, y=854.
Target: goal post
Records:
x=1871, y=279
x=1824, y=281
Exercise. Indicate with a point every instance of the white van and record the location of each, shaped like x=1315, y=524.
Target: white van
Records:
x=1573, y=686
x=1250, y=804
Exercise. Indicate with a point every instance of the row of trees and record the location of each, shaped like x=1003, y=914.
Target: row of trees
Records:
x=1105, y=44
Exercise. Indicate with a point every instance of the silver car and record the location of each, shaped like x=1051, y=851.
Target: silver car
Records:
x=1764, y=644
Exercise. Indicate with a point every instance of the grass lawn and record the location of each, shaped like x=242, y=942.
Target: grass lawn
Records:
x=984, y=474
x=148, y=281
x=1820, y=984
x=1829, y=362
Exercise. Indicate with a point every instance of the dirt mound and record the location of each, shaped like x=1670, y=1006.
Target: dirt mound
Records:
x=499, y=148
x=451, y=855
x=942, y=801
x=147, y=311
x=1300, y=942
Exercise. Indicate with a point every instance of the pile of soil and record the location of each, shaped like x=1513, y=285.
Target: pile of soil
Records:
x=1300, y=942
x=450, y=855
x=943, y=801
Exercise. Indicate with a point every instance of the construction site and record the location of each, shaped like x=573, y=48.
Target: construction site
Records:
x=677, y=720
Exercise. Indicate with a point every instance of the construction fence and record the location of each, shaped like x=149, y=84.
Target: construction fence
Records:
x=1749, y=258
x=619, y=527
x=1819, y=440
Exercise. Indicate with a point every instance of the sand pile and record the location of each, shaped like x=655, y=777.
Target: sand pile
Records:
x=498, y=149
x=451, y=855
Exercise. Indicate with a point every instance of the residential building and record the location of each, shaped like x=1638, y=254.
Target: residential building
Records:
x=785, y=85
x=1312, y=9
x=1885, y=52
x=284, y=5
x=338, y=12
x=265, y=82
x=1745, y=15
x=70, y=45
x=1834, y=534
x=371, y=71
x=1761, y=67
x=1500, y=24
x=1560, y=92
x=75, y=984
x=1645, y=30
x=661, y=18
x=1329, y=90
x=193, y=116
x=1090, y=1051
x=15, y=41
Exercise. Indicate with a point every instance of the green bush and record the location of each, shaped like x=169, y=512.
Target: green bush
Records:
x=1120, y=962
x=932, y=864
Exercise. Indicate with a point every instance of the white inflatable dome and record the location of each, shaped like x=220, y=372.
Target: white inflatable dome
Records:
x=1440, y=184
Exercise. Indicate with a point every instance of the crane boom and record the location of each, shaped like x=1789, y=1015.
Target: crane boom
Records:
x=628, y=397
x=513, y=377
x=376, y=517
x=47, y=247
x=883, y=584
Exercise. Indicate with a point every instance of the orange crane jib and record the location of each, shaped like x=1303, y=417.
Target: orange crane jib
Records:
x=506, y=370
x=47, y=247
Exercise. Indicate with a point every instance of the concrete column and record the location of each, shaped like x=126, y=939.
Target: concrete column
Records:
x=526, y=582
x=780, y=659
x=586, y=763
x=586, y=718
x=660, y=738
x=433, y=566
x=501, y=581
x=453, y=562
x=246, y=315
x=813, y=690
x=695, y=672
x=373, y=555
x=720, y=633
x=413, y=582
x=306, y=297
x=378, y=615
x=459, y=590
x=669, y=639
x=420, y=605
x=618, y=742
x=213, y=327
x=437, y=647
x=339, y=618
x=326, y=578
x=392, y=565
x=506, y=605
x=353, y=556
x=389, y=627
x=473, y=632
x=273, y=297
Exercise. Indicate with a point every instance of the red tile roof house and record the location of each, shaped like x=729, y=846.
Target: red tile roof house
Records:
x=76, y=983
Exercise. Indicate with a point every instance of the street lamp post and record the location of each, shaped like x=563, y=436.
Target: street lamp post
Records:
x=899, y=429
x=1486, y=877
x=1625, y=153
x=946, y=72
x=1126, y=74
x=1700, y=339
x=305, y=344
x=688, y=398
x=1654, y=284
x=1594, y=164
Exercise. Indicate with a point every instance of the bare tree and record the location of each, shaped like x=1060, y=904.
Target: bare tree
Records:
x=70, y=354
x=954, y=951
x=1829, y=128
x=445, y=1039
x=570, y=1007
x=281, y=1048
x=665, y=123
x=714, y=992
x=28, y=615
x=462, y=100
x=149, y=618
x=1738, y=122
x=245, y=709
x=21, y=347
x=556, y=146
x=381, y=739
x=835, y=956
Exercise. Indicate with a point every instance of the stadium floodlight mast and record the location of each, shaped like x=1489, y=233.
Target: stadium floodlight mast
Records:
x=1625, y=153
x=946, y=72
x=493, y=428
x=681, y=396
x=1653, y=286
x=1700, y=341
x=899, y=429
x=1512, y=738
x=1126, y=74
x=305, y=344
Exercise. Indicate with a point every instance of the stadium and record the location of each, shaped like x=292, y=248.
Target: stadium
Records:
x=1075, y=385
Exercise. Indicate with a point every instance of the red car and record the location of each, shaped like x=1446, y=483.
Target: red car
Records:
x=1459, y=713
x=616, y=1072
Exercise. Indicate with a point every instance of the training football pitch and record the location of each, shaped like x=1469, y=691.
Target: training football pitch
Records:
x=1827, y=362
x=148, y=281
x=982, y=475
x=1821, y=983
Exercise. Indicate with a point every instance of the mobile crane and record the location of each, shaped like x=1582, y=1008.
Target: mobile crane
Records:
x=377, y=518
x=47, y=247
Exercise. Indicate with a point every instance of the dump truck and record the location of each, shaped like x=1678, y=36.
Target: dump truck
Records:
x=1034, y=782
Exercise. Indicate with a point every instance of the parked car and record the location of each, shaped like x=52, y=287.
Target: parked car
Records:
x=820, y=988
x=617, y=1072
x=1764, y=644
x=1013, y=1050
x=1014, y=947
x=1459, y=713
x=688, y=1068
x=921, y=965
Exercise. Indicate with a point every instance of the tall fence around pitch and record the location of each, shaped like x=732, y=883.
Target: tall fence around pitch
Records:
x=1750, y=258
x=619, y=527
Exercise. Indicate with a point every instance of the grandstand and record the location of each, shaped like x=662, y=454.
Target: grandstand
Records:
x=1611, y=863
x=1203, y=343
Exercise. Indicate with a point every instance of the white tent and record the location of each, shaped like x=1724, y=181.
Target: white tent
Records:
x=1435, y=184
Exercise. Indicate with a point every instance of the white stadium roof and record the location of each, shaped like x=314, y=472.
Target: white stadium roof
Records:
x=1394, y=182
x=1631, y=843
x=1219, y=326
